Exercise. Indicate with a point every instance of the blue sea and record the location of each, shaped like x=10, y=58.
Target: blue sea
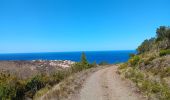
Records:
x=92, y=56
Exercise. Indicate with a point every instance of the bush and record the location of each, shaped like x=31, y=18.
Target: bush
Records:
x=164, y=52
x=11, y=87
x=35, y=84
x=123, y=66
x=58, y=76
x=134, y=60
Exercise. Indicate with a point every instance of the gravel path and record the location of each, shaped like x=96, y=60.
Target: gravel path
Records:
x=106, y=84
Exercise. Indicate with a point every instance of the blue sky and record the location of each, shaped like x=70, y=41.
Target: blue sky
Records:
x=79, y=25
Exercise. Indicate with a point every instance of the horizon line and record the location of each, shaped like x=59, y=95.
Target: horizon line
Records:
x=63, y=51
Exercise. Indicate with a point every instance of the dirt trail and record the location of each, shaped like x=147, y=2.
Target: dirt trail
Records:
x=106, y=84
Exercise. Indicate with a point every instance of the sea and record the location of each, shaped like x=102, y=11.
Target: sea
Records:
x=110, y=57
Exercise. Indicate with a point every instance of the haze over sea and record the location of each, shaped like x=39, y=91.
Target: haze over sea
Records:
x=92, y=56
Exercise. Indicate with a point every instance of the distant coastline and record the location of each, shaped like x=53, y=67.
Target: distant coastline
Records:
x=108, y=56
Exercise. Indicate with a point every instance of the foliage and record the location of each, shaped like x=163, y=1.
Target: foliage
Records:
x=83, y=59
x=11, y=87
x=163, y=37
x=145, y=84
x=161, y=41
x=123, y=66
x=146, y=46
x=35, y=84
x=164, y=52
x=83, y=64
x=134, y=60
x=162, y=33
x=131, y=55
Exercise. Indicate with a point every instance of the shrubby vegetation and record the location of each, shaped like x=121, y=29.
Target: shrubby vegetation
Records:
x=160, y=42
x=146, y=45
x=164, y=52
x=163, y=33
x=12, y=88
x=147, y=69
x=147, y=83
x=134, y=60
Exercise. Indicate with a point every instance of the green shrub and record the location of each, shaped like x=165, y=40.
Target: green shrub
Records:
x=123, y=66
x=134, y=60
x=35, y=84
x=58, y=76
x=77, y=67
x=7, y=91
x=11, y=87
x=164, y=52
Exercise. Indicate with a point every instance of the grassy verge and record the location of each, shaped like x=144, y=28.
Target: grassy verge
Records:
x=149, y=84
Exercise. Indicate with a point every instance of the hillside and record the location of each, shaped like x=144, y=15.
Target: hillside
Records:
x=25, y=80
x=150, y=68
x=27, y=69
x=144, y=77
x=22, y=79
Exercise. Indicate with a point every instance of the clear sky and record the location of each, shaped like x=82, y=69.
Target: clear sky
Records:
x=79, y=25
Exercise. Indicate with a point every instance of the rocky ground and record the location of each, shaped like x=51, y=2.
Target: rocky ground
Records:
x=26, y=69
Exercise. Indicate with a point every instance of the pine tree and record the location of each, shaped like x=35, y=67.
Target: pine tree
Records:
x=83, y=59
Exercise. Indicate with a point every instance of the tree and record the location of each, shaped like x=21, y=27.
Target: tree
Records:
x=168, y=34
x=83, y=59
x=162, y=33
x=163, y=37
